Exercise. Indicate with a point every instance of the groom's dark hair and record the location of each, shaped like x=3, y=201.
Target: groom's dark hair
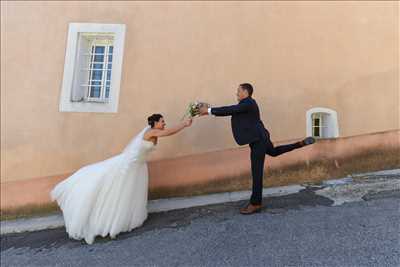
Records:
x=248, y=87
x=153, y=119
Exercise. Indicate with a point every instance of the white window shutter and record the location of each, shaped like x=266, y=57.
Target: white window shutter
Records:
x=78, y=92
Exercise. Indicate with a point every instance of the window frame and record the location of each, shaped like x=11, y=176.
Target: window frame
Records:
x=331, y=122
x=72, y=62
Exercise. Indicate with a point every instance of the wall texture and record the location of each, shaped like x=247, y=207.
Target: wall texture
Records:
x=298, y=55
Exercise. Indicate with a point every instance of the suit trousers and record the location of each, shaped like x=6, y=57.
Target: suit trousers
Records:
x=257, y=156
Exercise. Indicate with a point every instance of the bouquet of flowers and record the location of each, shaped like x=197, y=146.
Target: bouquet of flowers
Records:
x=194, y=109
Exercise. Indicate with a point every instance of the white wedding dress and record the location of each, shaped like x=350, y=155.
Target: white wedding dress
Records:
x=107, y=197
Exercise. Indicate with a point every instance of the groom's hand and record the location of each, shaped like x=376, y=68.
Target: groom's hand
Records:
x=203, y=110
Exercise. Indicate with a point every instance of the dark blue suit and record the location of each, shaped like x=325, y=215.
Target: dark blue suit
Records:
x=248, y=128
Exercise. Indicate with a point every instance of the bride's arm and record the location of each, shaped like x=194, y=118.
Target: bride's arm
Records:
x=172, y=130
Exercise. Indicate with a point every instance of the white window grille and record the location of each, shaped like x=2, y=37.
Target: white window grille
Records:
x=92, y=70
x=97, y=68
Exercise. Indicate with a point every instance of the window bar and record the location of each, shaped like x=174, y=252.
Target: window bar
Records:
x=106, y=75
x=96, y=99
x=90, y=72
x=109, y=69
x=87, y=69
x=104, y=78
x=91, y=54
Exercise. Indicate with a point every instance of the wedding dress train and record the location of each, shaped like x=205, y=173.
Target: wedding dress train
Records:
x=107, y=197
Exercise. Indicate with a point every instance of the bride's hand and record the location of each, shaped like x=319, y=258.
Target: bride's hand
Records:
x=188, y=122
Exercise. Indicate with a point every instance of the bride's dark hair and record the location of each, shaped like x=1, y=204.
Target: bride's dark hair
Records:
x=153, y=119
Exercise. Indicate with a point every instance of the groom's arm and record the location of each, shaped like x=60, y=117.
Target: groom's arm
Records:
x=230, y=110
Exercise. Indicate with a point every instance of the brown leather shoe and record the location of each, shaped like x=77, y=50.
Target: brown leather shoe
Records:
x=250, y=209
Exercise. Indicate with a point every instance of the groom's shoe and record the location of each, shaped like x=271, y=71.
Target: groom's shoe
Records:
x=308, y=141
x=250, y=209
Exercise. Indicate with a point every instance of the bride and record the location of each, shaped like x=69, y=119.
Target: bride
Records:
x=110, y=196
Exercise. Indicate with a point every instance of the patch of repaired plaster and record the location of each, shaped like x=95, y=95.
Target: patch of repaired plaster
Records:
x=360, y=187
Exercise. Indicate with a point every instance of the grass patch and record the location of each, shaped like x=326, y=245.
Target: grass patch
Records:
x=29, y=211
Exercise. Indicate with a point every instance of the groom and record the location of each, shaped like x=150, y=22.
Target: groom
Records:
x=248, y=128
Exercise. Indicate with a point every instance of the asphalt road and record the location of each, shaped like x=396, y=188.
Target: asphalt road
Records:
x=301, y=229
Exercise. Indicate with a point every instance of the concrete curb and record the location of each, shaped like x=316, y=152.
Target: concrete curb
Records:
x=160, y=205
x=339, y=190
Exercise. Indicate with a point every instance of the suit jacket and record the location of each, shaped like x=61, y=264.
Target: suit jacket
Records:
x=247, y=126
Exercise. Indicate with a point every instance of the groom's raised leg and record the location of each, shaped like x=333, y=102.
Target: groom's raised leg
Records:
x=279, y=150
